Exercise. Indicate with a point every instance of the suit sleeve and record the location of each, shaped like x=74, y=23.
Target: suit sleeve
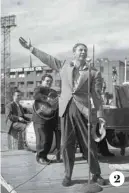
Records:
x=26, y=118
x=25, y=111
x=47, y=59
x=10, y=115
x=96, y=88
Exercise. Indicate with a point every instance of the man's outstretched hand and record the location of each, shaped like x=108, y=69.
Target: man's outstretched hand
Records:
x=24, y=43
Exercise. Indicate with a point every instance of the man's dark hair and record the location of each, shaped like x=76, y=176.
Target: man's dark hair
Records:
x=16, y=90
x=46, y=75
x=79, y=44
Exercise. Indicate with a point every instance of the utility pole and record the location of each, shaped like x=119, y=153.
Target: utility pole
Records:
x=7, y=22
x=30, y=62
x=125, y=78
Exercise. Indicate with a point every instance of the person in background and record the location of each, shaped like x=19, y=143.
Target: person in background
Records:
x=73, y=106
x=44, y=128
x=16, y=121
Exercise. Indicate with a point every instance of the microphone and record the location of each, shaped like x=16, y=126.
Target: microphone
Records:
x=88, y=60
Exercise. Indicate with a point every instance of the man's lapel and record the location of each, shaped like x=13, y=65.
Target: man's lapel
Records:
x=15, y=108
x=83, y=78
x=70, y=74
x=21, y=108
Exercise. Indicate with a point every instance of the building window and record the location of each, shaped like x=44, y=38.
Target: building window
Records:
x=38, y=83
x=22, y=94
x=2, y=75
x=30, y=84
x=12, y=75
x=58, y=83
x=30, y=95
x=49, y=71
x=12, y=84
x=101, y=69
x=21, y=74
x=38, y=73
x=28, y=73
x=21, y=84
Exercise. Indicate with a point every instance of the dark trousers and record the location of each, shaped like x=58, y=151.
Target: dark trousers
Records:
x=16, y=136
x=74, y=126
x=103, y=147
x=44, y=137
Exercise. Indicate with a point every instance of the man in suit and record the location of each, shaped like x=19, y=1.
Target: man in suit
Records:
x=73, y=105
x=15, y=119
x=44, y=128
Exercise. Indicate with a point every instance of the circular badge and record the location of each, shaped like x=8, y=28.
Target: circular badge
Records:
x=116, y=178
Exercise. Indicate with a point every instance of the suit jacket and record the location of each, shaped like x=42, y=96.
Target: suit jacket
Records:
x=12, y=115
x=80, y=94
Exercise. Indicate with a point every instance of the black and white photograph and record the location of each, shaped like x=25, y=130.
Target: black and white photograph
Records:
x=64, y=96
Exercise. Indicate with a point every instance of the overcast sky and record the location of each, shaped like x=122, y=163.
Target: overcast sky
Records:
x=56, y=25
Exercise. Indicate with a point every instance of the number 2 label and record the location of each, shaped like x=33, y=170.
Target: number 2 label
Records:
x=116, y=178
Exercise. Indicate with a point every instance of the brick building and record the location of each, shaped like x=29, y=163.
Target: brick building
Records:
x=26, y=79
x=105, y=66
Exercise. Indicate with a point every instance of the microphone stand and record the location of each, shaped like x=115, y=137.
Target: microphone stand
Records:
x=89, y=120
x=91, y=188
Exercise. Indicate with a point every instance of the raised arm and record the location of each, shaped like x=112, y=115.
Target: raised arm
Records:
x=52, y=62
x=47, y=59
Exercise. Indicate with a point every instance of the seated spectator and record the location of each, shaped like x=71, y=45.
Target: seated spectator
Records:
x=16, y=122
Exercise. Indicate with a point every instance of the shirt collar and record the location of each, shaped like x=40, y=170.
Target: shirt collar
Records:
x=84, y=67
